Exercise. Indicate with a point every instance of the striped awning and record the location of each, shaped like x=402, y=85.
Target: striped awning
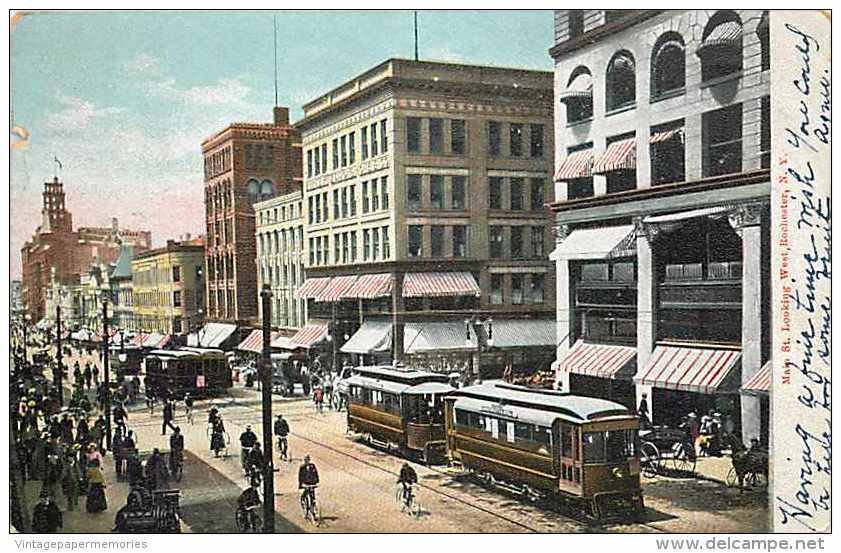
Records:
x=577, y=165
x=164, y=341
x=434, y=337
x=759, y=383
x=601, y=360
x=621, y=154
x=597, y=243
x=440, y=285
x=253, y=342
x=580, y=88
x=370, y=286
x=310, y=334
x=701, y=370
x=728, y=33
x=335, y=289
x=665, y=135
x=311, y=287
x=372, y=336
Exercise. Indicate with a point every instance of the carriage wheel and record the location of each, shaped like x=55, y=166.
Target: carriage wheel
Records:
x=756, y=480
x=683, y=458
x=650, y=459
x=732, y=479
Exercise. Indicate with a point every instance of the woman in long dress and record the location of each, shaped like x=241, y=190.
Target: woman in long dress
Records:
x=217, y=439
x=96, y=502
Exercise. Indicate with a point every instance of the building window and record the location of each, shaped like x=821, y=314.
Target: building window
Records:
x=176, y=273
x=578, y=96
x=765, y=134
x=495, y=192
x=436, y=136
x=366, y=245
x=335, y=204
x=365, y=201
x=317, y=159
x=375, y=196
x=537, y=242
x=668, y=65
x=383, y=136
x=667, y=154
x=437, y=241
x=374, y=144
x=344, y=151
x=497, y=283
x=497, y=237
x=352, y=200
x=317, y=210
x=721, y=46
x=459, y=192
x=384, y=191
x=722, y=138
x=494, y=138
x=762, y=30
x=375, y=243
x=517, y=289
x=516, y=139
x=386, y=244
x=413, y=135
x=177, y=325
x=457, y=136
x=352, y=147
x=309, y=163
x=516, y=193
x=460, y=241
x=415, y=240
x=621, y=172
x=364, y=142
x=335, y=153
x=344, y=202
x=345, y=247
x=176, y=298
x=325, y=206
x=413, y=192
x=353, y=247
x=621, y=81
x=517, y=242
x=337, y=250
x=324, y=158
x=436, y=191
x=538, y=200
x=536, y=140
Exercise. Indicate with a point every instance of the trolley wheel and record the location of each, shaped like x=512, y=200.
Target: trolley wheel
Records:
x=595, y=510
x=650, y=459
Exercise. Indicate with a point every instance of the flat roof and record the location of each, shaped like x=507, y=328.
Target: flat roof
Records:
x=389, y=373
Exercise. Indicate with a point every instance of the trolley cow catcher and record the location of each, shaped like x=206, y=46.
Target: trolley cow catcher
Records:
x=546, y=443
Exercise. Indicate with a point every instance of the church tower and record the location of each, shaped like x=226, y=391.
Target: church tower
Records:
x=54, y=214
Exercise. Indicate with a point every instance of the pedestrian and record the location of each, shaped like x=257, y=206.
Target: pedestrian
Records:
x=98, y=434
x=168, y=417
x=120, y=416
x=117, y=445
x=88, y=375
x=95, y=374
x=70, y=480
x=46, y=517
x=95, y=502
x=52, y=477
x=157, y=475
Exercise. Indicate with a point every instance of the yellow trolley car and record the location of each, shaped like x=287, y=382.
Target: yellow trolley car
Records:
x=201, y=371
x=547, y=444
x=399, y=408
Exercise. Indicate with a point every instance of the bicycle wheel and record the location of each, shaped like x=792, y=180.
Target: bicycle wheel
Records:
x=732, y=479
x=242, y=526
x=415, y=508
x=683, y=459
x=256, y=523
x=649, y=459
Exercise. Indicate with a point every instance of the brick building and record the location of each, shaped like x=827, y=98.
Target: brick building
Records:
x=243, y=164
x=662, y=158
x=55, y=249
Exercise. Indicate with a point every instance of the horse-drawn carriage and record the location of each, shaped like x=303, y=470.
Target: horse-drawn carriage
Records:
x=153, y=513
x=750, y=467
x=661, y=446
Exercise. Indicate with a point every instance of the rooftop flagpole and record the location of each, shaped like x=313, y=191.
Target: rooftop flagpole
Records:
x=274, y=18
x=416, y=36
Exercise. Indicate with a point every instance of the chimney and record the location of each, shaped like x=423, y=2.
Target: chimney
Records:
x=115, y=224
x=187, y=237
x=281, y=116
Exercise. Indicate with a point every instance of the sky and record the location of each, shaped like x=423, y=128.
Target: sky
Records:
x=124, y=100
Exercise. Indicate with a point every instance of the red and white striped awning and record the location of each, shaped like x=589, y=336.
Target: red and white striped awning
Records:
x=370, y=286
x=577, y=165
x=621, y=154
x=580, y=88
x=440, y=285
x=311, y=287
x=728, y=33
x=310, y=334
x=701, y=370
x=665, y=135
x=335, y=289
x=253, y=342
x=601, y=360
x=759, y=383
x=164, y=341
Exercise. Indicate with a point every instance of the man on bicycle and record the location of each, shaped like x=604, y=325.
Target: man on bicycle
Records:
x=281, y=430
x=408, y=477
x=307, y=478
x=188, y=407
x=318, y=397
x=247, y=501
x=176, y=449
x=255, y=461
x=246, y=441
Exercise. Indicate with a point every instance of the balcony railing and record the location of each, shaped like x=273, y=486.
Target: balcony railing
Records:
x=720, y=270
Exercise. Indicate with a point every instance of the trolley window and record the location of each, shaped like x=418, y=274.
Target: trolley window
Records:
x=609, y=447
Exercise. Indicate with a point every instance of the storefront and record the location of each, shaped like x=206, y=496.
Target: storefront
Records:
x=600, y=370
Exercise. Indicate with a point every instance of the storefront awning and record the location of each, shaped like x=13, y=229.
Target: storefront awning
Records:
x=524, y=333
x=701, y=370
x=686, y=215
x=597, y=243
x=619, y=155
x=372, y=336
x=211, y=336
x=310, y=335
x=311, y=287
x=370, y=286
x=253, y=342
x=728, y=33
x=440, y=285
x=760, y=383
x=662, y=136
x=601, y=360
x=429, y=337
x=282, y=342
x=577, y=165
x=335, y=289
x=580, y=88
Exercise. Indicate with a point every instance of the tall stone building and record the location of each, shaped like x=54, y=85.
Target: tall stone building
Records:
x=243, y=164
x=662, y=133
x=56, y=250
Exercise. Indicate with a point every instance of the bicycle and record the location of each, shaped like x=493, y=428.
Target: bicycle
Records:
x=188, y=413
x=407, y=501
x=245, y=454
x=283, y=448
x=309, y=506
x=248, y=519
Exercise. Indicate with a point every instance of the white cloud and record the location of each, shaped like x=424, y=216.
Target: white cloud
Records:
x=77, y=113
x=226, y=92
x=143, y=65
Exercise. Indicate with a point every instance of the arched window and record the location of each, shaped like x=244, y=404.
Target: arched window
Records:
x=578, y=95
x=668, y=65
x=266, y=190
x=253, y=187
x=721, y=46
x=762, y=30
x=621, y=81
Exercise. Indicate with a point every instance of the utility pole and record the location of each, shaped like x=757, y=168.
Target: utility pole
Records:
x=397, y=326
x=267, y=376
x=335, y=333
x=59, y=371
x=105, y=373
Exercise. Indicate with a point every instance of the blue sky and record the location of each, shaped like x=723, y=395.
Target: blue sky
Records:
x=125, y=99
